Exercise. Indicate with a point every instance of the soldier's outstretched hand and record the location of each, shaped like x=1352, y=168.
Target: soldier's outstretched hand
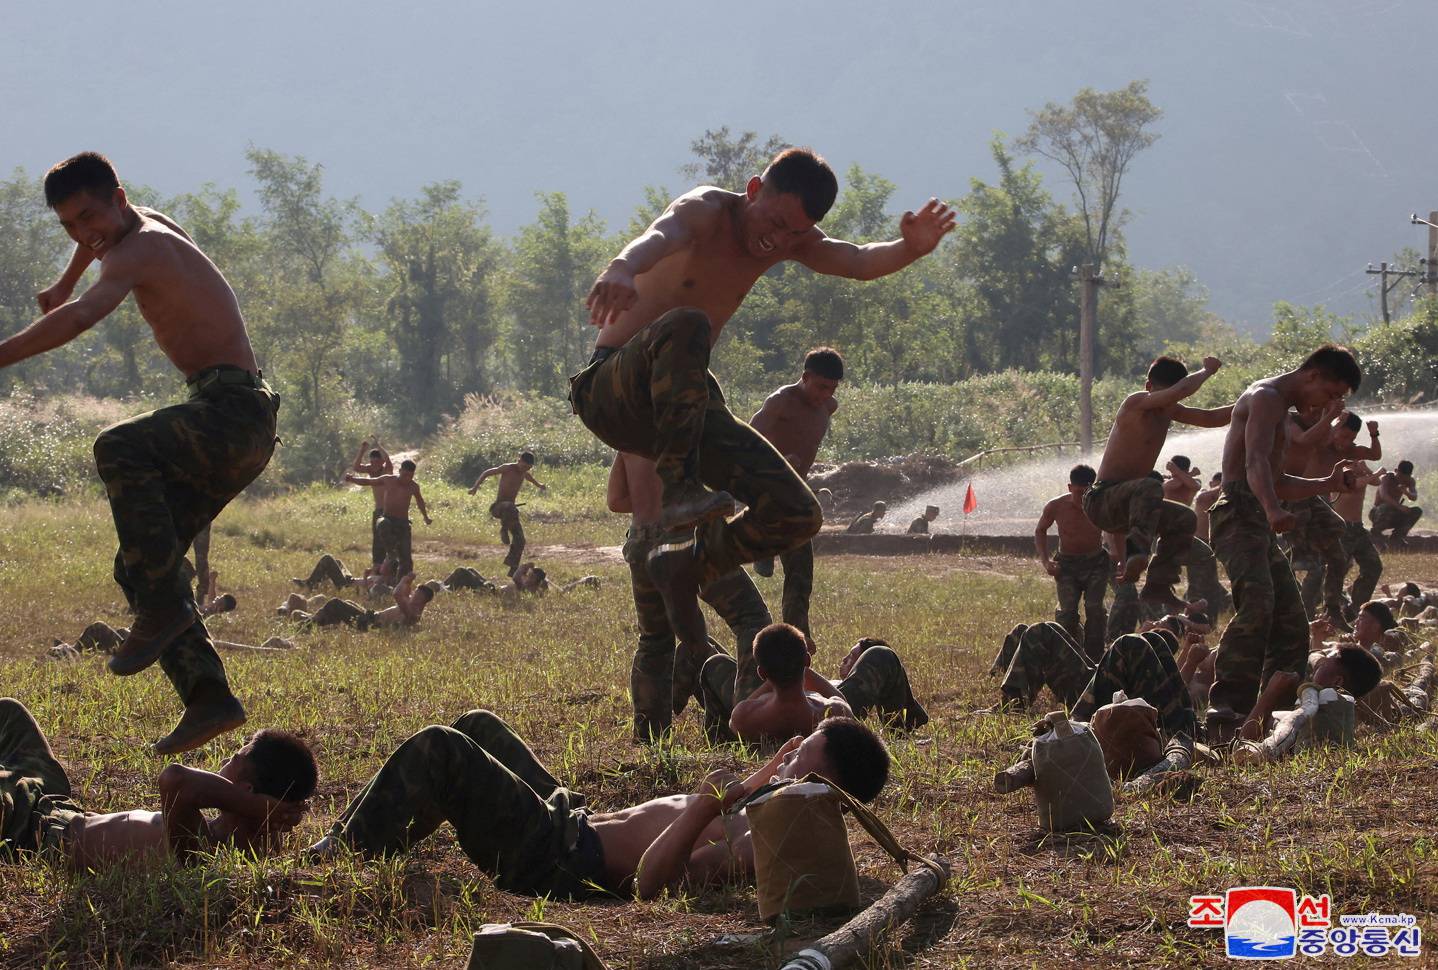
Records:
x=922, y=230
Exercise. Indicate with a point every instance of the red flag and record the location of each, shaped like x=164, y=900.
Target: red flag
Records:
x=971, y=501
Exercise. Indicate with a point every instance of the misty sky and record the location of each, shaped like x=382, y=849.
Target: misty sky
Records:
x=1290, y=152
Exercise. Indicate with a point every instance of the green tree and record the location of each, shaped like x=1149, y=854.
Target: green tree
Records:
x=554, y=262
x=1171, y=305
x=33, y=248
x=440, y=256
x=1095, y=138
x=728, y=160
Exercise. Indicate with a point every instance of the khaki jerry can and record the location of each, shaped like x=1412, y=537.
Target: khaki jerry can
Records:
x=1071, y=784
x=802, y=859
x=530, y=946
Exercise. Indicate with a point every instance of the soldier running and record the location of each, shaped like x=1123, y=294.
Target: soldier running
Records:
x=1082, y=567
x=512, y=477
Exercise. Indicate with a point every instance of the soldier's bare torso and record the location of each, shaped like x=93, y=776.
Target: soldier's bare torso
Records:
x=1078, y=536
x=1235, y=450
x=794, y=426
x=183, y=296
x=511, y=480
x=713, y=273
x=627, y=833
x=1135, y=442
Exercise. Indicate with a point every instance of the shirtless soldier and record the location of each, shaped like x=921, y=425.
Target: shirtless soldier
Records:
x=169, y=472
x=516, y=823
x=795, y=419
x=660, y=305
x=1388, y=510
x=1317, y=536
x=261, y=792
x=1269, y=629
x=1127, y=498
x=395, y=492
x=1339, y=444
x=1081, y=568
x=374, y=464
x=511, y=479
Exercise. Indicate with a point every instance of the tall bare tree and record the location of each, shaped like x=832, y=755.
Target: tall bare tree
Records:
x=1095, y=138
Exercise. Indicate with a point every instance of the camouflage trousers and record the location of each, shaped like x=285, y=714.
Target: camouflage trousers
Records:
x=168, y=473
x=397, y=541
x=1318, y=538
x=1156, y=526
x=510, y=531
x=1038, y=655
x=877, y=684
x=1143, y=666
x=329, y=569
x=1084, y=578
x=1124, y=612
x=1399, y=518
x=655, y=397
x=376, y=547
x=464, y=577
x=661, y=678
x=1269, y=629
x=1203, y=581
x=1358, y=549
x=101, y=637
x=336, y=611
x=36, y=806
x=510, y=815
x=798, y=566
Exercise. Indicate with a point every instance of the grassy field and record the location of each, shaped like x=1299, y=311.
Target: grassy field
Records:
x=1358, y=824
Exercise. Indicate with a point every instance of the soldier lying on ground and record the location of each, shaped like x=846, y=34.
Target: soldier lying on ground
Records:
x=100, y=637
x=409, y=603
x=260, y=793
x=377, y=580
x=516, y=823
x=793, y=698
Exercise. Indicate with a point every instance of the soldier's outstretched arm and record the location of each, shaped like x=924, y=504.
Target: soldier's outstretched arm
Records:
x=63, y=324
x=919, y=233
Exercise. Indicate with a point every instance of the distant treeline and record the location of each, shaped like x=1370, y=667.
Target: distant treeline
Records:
x=389, y=321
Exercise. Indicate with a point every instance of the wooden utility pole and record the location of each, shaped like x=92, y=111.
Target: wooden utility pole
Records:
x=1089, y=282
x=1431, y=277
x=1385, y=287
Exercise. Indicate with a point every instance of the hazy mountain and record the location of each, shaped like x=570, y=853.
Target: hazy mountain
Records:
x=1290, y=151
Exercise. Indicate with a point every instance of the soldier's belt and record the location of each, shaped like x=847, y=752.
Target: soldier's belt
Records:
x=225, y=374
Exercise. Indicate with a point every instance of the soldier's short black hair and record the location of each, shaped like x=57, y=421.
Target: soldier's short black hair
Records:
x=1166, y=371
x=858, y=760
x=826, y=362
x=1082, y=475
x=86, y=172
x=1405, y=467
x=228, y=602
x=407, y=465
x=780, y=649
x=284, y=766
x=1380, y=612
x=803, y=172
x=427, y=591
x=1410, y=589
x=1182, y=462
x=527, y=457
x=1353, y=422
x=1335, y=362
x=376, y=453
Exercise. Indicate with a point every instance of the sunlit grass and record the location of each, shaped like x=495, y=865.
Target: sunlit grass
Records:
x=1357, y=823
